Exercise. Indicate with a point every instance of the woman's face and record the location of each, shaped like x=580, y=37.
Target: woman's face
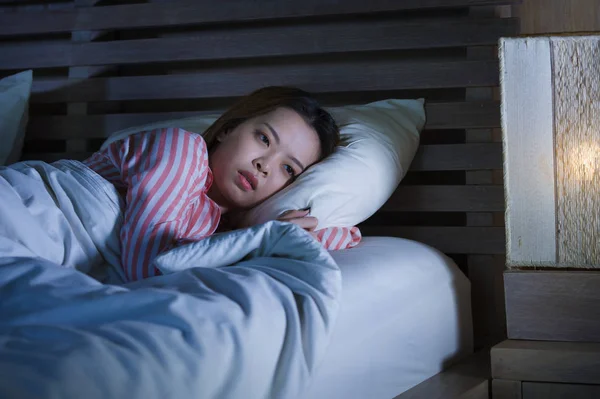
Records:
x=260, y=157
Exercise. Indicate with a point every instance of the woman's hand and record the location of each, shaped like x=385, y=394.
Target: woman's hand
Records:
x=301, y=218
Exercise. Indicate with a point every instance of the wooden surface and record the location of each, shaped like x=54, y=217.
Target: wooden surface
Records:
x=181, y=13
x=479, y=391
x=446, y=199
x=456, y=240
x=540, y=361
x=558, y=16
x=458, y=157
x=553, y=306
x=331, y=76
x=76, y=144
x=506, y=389
x=537, y=390
x=440, y=116
x=264, y=41
x=465, y=380
x=485, y=271
x=487, y=293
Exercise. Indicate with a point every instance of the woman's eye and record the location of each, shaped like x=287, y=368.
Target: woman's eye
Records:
x=289, y=170
x=263, y=138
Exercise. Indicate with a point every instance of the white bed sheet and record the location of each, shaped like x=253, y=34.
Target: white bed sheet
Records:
x=405, y=316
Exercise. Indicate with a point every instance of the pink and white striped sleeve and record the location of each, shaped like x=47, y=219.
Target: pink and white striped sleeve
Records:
x=160, y=169
x=335, y=238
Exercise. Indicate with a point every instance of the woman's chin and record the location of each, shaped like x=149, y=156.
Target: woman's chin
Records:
x=240, y=201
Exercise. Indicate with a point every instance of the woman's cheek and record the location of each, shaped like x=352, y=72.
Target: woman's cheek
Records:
x=271, y=189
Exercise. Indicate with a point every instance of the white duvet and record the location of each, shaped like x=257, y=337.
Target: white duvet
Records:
x=246, y=314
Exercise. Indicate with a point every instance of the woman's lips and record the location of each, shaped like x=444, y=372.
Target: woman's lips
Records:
x=247, y=180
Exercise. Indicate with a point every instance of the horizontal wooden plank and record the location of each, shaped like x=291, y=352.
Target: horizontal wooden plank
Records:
x=544, y=390
x=553, y=305
x=506, y=389
x=192, y=12
x=454, y=240
x=428, y=158
x=459, y=115
x=446, y=199
x=266, y=41
x=237, y=81
x=541, y=361
x=456, y=382
x=458, y=157
x=96, y=126
x=463, y=115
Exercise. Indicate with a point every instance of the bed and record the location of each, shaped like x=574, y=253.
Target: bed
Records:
x=101, y=66
x=417, y=324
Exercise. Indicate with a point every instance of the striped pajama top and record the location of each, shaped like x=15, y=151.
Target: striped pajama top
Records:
x=164, y=178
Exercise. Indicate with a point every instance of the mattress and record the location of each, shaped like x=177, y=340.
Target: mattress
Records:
x=405, y=316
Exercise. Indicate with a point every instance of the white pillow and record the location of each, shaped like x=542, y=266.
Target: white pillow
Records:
x=378, y=142
x=14, y=105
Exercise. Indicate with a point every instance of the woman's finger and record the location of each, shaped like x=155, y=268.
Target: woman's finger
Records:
x=308, y=222
x=293, y=213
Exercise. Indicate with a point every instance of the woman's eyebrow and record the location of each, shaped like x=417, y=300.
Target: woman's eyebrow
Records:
x=276, y=136
x=298, y=163
x=273, y=131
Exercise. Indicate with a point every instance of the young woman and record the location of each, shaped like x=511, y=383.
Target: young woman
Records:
x=179, y=185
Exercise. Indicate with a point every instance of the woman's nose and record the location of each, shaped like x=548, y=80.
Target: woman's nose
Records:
x=262, y=166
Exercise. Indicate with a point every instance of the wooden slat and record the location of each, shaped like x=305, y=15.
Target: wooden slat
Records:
x=80, y=109
x=179, y=13
x=428, y=158
x=540, y=361
x=484, y=271
x=554, y=16
x=439, y=116
x=541, y=390
x=555, y=306
x=486, y=274
x=458, y=157
x=456, y=240
x=27, y=6
x=446, y=199
x=463, y=380
x=506, y=389
x=463, y=115
x=237, y=81
x=95, y=126
x=265, y=41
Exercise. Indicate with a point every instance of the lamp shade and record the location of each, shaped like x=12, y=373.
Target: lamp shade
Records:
x=551, y=140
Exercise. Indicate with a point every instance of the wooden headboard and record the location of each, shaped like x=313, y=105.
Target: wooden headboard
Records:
x=100, y=66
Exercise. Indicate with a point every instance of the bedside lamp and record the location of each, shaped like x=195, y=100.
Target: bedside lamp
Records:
x=551, y=139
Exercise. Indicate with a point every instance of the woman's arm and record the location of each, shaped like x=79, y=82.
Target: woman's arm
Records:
x=332, y=238
x=160, y=169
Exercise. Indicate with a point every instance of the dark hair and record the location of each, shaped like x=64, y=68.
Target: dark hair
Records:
x=267, y=99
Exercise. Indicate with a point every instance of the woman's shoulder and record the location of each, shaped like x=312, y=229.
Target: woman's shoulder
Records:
x=165, y=145
x=176, y=132
x=174, y=136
